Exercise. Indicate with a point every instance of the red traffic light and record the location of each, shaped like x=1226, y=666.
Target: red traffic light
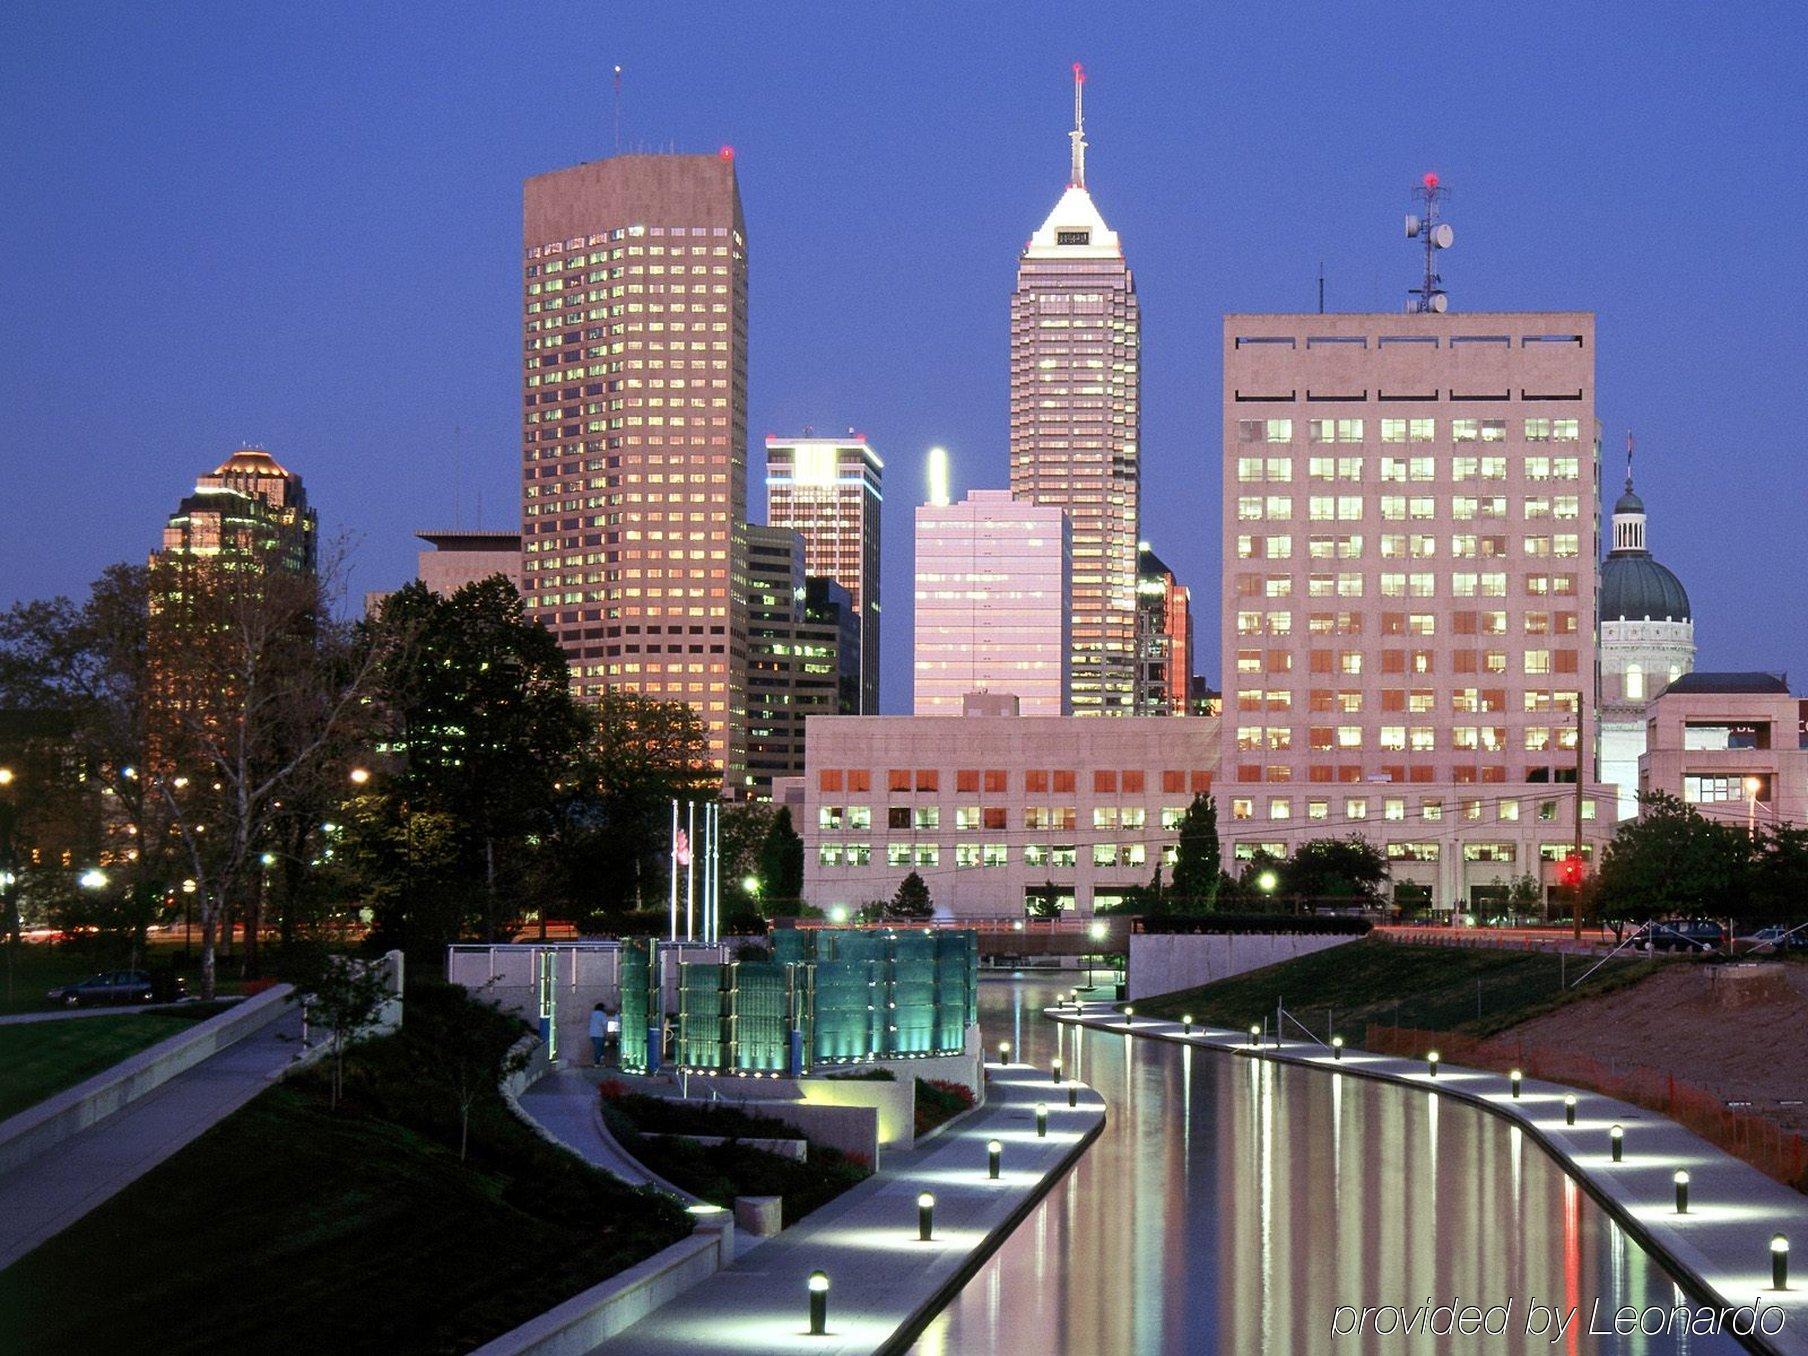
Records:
x=1569, y=871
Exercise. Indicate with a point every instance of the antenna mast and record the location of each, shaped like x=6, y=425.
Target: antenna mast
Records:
x=1076, y=174
x=1437, y=234
x=618, y=110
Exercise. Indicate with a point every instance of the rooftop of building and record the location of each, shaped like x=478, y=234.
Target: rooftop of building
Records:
x=1731, y=684
x=462, y=539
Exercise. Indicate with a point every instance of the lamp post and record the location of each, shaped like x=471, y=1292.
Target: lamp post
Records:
x=1617, y=1137
x=1682, y=1191
x=1569, y=1108
x=1431, y=1064
x=1055, y=1069
x=1516, y=1078
x=9, y=913
x=925, y=1217
x=994, y=1151
x=1041, y=1120
x=1337, y=1047
x=1752, y=787
x=819, y=1303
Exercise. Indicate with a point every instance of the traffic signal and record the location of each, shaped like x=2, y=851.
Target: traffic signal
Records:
x=1569, y=871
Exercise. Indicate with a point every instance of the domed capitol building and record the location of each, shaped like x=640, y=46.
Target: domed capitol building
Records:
x=1647, y=642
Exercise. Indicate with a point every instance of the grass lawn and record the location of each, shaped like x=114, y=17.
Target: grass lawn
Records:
x=41, y=966
x=1443, y=988
x=291, y=1227
x=39, y=1058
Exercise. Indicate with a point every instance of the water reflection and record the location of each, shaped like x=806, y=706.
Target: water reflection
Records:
x=1231, y=1205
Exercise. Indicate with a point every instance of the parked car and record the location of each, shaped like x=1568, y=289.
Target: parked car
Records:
x=1780, y=937
x=1680, y=934
x=115, y=986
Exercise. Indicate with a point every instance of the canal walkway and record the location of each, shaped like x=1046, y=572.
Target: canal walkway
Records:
x=1722, y=1245
x=885, y=1283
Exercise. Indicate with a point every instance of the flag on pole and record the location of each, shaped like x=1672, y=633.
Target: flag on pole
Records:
x=681, y=848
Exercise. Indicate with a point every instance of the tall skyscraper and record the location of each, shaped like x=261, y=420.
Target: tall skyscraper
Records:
x=992, y=603
x=247, y=520
x=1410, y=510
x=633, y=449
x=828, y=491
x=1076, y=422
x=793, y=667
x=1164, y=639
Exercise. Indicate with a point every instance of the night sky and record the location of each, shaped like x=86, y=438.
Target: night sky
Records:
x=300, y=226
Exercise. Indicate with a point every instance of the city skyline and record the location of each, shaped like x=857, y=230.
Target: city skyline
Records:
x=288, y=386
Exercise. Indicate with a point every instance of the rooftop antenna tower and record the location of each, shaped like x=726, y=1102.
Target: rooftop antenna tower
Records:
x=1437, y=234
x=1076, y=174
x=618, y=110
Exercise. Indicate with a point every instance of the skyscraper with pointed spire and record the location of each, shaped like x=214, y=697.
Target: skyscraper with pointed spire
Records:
x=1076, y=421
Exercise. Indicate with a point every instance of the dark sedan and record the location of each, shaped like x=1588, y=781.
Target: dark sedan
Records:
x=115, y=986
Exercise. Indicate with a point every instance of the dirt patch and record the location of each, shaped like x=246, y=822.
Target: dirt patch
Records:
x=1736, y=1033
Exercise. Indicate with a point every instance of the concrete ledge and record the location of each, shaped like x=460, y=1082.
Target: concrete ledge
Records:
x=1163, y=962
x=1719, y=1252
x=798, y=1150
x=585, y=1320
x=42, y=1127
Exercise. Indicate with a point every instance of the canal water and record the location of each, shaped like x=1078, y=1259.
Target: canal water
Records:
x=1236, y=1206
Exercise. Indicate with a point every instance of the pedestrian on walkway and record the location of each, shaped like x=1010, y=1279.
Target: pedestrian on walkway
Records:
x=612, y=1032
x=599, y=1030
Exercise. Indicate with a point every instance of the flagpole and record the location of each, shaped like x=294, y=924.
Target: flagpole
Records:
x=715, y=872
x=690, y=875
x=673, y=847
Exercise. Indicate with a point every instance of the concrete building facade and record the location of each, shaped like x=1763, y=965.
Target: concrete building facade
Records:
x=829, y=491
x=992, y=603
x=1730, y=745
x=1408, y=617
x=1076, y=423
x=458, y=558
x=633, y=460
x=995, y=811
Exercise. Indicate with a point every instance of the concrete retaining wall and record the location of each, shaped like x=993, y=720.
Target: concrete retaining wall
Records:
x=1162, y=962
x=40, y=1128
x=893, y=1101
x=587, y=1320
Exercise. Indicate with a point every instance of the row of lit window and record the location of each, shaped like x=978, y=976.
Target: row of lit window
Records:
x=1417, y=701
x=1395, y=808
x=1350, y=508
x=1412, y=430
x=1279, y=470
x=1414, y=546
x=838, y=818
x=1401, y=738
x=981, y=855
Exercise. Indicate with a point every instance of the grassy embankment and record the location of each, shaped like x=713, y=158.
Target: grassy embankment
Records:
x=40, y=1058
x=291, y=1226
x=36, y=967
x=1444, y=988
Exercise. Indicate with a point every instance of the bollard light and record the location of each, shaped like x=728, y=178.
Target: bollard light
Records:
x=1004, y=1052
x=994, y=1151
x=1516, y=1078
x=1073, y=1094
x=1186, y=1025
x=925, y=1217
x=1337, y=1047
x=819, y=1303
x=1055, y=1069
x=1779, y=1262
x=1618, y=1136
x=1569, y=1108
x=1129, y=1016
x=1431, y=1063
x=1041, y=1120
x=1255, y=1035
x=1682, y=1191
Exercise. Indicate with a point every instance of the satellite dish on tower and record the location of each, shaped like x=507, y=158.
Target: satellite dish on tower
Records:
x=1439, y=302
x=1442, y=235
x=1413, y=224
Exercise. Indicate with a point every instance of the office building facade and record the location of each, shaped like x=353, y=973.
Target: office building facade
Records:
x=1410, y=520
x=793, y=669
x=634, y=472
x=1164, y=639
x=829, y=491
x=992, y=604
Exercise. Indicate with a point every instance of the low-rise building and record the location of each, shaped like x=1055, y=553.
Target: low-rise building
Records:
x=1731, y=746
x=994, y=810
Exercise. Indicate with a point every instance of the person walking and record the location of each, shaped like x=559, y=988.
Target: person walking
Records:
x=612, y=1032
x=599, y=1030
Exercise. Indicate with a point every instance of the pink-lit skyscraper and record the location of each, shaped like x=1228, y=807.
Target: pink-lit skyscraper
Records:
x=1076, y=423
x=992, y=604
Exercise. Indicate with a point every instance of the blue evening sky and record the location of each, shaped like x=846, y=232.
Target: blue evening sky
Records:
x=299, y=225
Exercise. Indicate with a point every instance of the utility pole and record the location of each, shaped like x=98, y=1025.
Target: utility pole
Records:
x=1576, y=903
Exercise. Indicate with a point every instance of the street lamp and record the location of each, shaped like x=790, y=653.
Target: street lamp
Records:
x=6, y=776
x=359, y=776
x=751, y=884
x=92, y=879
x=1267, y=881
x=1752, y=787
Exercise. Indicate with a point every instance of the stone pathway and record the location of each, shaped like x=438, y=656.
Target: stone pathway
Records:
x=48, y=1194
x=566, y=1105
x=1722, y=1244
x=884, y=1281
